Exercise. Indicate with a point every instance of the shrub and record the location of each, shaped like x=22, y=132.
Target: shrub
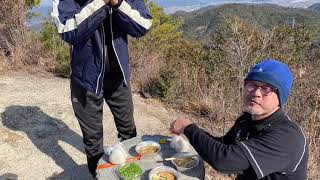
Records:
x=56, y=48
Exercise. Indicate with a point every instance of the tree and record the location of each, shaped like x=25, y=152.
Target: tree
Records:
x=29, y=4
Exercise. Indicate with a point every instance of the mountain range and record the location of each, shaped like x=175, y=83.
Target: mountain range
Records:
x=199, y=24
x=190, y=5
x=315, y=7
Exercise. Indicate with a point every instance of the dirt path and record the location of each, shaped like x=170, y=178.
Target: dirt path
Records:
x=39, y=135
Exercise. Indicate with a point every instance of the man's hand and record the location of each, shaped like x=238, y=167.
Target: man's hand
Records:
x=113, y=2
x=177, y=126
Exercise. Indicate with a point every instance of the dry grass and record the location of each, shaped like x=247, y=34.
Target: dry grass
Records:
x=146, y=72
x=313, y=127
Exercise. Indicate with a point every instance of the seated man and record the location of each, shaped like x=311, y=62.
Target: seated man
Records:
x=263, y=143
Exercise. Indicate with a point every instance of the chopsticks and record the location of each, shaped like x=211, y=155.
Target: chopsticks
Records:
x=176, y=157
x=169, y=159
x=166, y=159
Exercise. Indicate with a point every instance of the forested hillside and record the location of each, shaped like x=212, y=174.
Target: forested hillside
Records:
x=201, y=23
x=315, y=7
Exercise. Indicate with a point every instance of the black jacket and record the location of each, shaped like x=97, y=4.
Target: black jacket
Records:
x=273, y=148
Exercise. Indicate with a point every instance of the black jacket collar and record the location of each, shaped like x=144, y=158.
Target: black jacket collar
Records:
x=266, y=122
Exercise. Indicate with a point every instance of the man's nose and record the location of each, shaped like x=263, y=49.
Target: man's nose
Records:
x=257, y=92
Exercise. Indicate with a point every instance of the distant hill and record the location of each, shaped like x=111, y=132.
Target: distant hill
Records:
x=200, y=23
x=315, y=7
x=172, y=6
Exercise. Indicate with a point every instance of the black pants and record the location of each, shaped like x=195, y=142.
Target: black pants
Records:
x=88, y=109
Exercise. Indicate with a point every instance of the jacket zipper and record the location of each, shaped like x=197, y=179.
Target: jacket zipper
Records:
x=103, y=55
x=114, y=49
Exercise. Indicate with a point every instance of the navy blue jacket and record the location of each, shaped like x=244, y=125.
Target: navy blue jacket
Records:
x=80, y=23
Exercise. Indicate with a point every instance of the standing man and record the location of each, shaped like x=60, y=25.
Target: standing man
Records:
x=263, y=143
x=100, y=68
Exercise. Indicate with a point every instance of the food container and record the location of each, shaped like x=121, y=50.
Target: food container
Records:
x=163, y=172
x=148, y=148
x=131, y=171
x=185, y=161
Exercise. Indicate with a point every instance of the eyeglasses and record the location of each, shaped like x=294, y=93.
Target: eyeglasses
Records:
x=264, y=89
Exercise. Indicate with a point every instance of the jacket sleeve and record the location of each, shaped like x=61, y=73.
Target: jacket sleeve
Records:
x=132, y=17
x=77, y=23
x=222, y=157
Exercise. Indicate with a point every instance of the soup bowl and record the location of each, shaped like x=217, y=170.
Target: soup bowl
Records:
x=148, y=148
x=163, y=172
x=185, y=161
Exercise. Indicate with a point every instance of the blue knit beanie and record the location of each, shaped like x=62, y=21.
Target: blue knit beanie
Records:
x=276, y=74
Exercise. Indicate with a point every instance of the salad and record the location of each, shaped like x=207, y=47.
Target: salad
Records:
x=130, y=171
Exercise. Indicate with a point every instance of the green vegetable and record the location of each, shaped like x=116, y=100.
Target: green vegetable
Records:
x=130, y=171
